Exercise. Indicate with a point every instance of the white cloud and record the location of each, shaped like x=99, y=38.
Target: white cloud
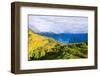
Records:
x=58, y=24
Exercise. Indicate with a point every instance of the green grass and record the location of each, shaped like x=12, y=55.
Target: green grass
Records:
x=50, y=49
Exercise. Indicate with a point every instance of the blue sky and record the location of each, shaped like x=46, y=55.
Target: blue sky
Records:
x=58, y=24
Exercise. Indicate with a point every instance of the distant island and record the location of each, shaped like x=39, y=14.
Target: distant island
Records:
x=50, y=46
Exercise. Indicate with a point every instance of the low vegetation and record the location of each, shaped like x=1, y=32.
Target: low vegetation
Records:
x=46, y=48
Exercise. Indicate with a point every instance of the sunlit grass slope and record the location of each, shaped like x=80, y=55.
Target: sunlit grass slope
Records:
x=46, y=48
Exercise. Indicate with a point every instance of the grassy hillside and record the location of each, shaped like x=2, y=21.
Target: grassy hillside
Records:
x=46, y=48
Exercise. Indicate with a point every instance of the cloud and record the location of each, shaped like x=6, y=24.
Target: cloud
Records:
x=58, y=24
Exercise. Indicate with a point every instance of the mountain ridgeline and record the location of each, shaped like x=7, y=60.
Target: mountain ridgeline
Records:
x=67, y=37
x=44, y=46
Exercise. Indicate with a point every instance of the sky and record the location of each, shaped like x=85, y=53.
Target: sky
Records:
x=58, y=24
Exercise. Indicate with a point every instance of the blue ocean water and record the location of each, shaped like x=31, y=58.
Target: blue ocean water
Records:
x=67, y=37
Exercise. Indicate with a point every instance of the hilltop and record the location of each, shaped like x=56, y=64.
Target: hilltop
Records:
x=46, y=48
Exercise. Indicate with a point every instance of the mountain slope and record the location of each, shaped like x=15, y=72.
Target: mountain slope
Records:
x=36, y=41
x=46, y=48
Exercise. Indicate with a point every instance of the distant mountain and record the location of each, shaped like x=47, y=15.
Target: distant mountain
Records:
x=47, y=48
x=67, y=37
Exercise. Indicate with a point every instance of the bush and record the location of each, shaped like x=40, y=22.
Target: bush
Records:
x=68, y=51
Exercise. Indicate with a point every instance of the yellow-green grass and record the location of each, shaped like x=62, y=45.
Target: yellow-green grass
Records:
x=46, y=48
